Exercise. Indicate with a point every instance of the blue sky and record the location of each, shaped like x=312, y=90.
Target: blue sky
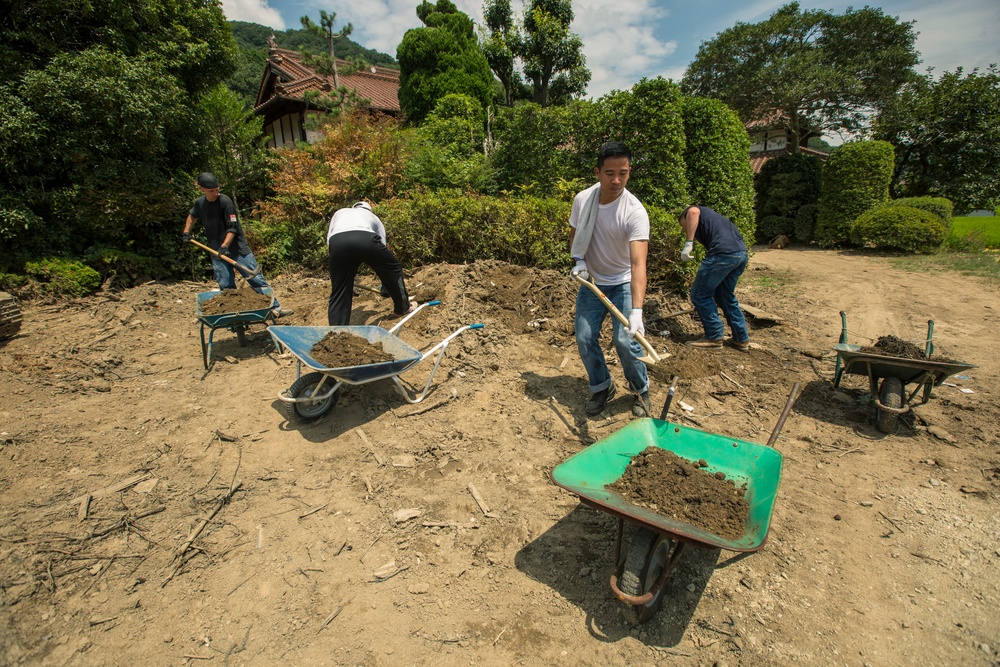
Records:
x=649, y=38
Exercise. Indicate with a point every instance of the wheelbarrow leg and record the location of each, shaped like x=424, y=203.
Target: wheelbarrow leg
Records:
x=206, y=348
x=843, y=339
x=929, y=345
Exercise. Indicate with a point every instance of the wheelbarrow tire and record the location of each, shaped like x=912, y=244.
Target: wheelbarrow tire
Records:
x=303, y=388
x=648, y=553
x=891, y=396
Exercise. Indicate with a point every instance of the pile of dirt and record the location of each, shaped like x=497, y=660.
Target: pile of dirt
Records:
x=235, y=301
x=667, y=484
x=340, y=349
x=891, y=346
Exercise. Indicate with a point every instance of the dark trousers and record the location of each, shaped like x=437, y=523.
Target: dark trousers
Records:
x=347, y=251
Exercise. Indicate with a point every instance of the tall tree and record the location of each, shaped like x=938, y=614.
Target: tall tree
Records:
x=500, y=44
x=947, y=138
x=822, y=71
x=552, y=55
x=441, y=58
x=327, y=63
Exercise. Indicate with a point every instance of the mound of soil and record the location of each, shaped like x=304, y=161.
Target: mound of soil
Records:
x=235, y=301
x=339, y=349
x=669, y=485
x=891, y=346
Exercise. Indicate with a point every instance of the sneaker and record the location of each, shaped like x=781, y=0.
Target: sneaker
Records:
x=704, y=343
x=742, y=347
x=281, y=312
x=640, y=408
x=599, y=399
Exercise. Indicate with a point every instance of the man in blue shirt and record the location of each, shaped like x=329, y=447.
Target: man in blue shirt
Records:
x=715, y=284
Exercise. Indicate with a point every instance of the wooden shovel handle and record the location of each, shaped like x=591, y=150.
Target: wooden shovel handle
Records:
x=227, y=258
x=618, y=315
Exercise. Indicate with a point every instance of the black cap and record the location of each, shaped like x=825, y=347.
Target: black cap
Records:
x=208, y=180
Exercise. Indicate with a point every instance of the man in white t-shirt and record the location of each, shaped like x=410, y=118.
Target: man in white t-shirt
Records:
x=356, y=236
x=609, y=241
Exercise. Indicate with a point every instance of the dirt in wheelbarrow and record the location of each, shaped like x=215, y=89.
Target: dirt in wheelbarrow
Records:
x=682, y=490
x=891, y=346
x=340, y=349
x=235, y=301
x=387, y=533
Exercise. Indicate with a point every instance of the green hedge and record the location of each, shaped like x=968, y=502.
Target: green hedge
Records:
x=939, y=206
x=901, y=228
x=785, y=185
x=64, y=276
x=856, y=179
x=717, y=158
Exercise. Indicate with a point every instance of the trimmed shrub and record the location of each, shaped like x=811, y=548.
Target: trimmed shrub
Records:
x=939, y=206
x=717, y=160
x=856, y=179
x=64, y=276
x=124, y=265
x=805, y=223
x=532, y=148
x=903, y=228
x=784, y=185
x=774, y=225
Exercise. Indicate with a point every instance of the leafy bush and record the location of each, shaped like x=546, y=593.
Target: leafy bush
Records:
x=122, y=264
x=774, y=225
x=856, y=179
x=532, y=147
x=448, y=147
x=784, y=185
x=903, y=228
x=717, y=160
x=939, y=206
x=64, y=276
x=805, y=223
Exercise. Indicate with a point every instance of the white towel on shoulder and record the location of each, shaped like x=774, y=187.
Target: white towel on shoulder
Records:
x=585, y=225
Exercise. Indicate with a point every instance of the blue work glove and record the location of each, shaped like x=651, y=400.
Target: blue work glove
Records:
x=186, y=238
x=580, y=270
x=686, y=251
x=635, y=323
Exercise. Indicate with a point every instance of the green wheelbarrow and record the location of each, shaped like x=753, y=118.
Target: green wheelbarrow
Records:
x=644, y=565
x=888, y=376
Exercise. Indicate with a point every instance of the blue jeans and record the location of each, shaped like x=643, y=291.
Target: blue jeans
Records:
x=226, y=277
x=715, y=285
x=590, y=314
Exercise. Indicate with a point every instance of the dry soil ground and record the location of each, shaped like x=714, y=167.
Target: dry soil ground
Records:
x=356, y=540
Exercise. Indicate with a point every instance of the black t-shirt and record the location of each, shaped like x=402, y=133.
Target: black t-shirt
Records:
x=219, y=218
x=718, y=234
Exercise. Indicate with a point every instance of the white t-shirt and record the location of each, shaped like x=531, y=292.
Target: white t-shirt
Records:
x=619, y=223
x=355, y=220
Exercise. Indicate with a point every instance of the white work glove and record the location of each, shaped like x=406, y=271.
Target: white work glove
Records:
x=635, y=323
x=686, y=251
x=580, y=270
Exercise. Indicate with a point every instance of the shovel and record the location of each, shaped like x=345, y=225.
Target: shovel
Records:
x=227, y=258
x=651, y=357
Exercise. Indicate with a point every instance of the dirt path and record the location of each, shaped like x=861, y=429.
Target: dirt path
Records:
x=356, y=539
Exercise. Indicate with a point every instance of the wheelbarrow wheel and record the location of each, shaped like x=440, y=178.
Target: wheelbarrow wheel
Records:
x=648, y=553
x=891, y=396
x=304, y=388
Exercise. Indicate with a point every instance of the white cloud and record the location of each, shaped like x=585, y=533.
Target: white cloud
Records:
x=253, y=11
x=960, y=33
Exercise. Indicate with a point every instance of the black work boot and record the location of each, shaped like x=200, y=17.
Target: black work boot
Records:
x=641, y=406
x=599, y=399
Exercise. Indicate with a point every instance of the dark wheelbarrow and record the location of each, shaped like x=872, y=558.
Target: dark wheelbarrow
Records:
x=235, y=322
x=644, y=565
x=888, y=376
x=314, y=394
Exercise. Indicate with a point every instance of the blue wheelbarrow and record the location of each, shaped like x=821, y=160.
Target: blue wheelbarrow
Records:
x=888, y=376
x=235, y=322
x=314, y=394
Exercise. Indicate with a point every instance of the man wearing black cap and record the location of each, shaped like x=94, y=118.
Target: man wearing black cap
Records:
x=225, y=235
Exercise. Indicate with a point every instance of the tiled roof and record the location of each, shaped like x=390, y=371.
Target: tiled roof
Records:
x=758, y=160
x=286, y=77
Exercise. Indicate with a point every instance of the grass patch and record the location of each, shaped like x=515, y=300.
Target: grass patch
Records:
x=981, y=264
x=984, y=228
